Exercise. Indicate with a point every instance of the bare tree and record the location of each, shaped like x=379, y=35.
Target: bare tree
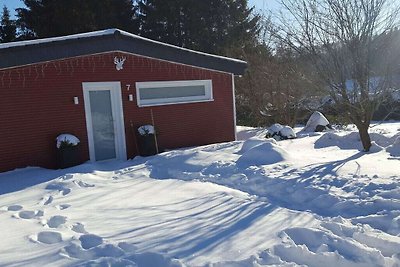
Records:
x=278, y=84
x=341, y=37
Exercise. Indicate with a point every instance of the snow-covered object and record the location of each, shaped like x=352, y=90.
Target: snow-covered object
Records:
x=394, y=149
x=279, y=132
x=353, y=141
x=254, y=141
x=274, y=129
x=146, y=129
x=265, y=153
x=287, y=132
x=317, y=118
x=68, y=138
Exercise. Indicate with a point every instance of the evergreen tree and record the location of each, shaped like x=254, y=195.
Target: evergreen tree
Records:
x=207, y=25
x=7, y=27
x=48, y=18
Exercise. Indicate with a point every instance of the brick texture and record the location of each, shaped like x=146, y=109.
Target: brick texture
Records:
x=36, y=104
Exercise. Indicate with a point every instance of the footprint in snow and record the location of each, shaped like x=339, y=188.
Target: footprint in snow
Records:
x=104, y=251
x=56, y=221
x=60, y=186
x=47, y=200
x=79, y=228
x=63, y=206
x=29, y=214
x=67, y=177
x=83, y=184
x=14, y=208
x=89, y=241
x=47, y=237
x=65, y=191
x=127, y=247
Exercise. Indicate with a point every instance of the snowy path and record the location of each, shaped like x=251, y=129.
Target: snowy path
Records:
x=305, y=202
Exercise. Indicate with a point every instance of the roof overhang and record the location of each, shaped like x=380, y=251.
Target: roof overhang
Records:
x=43, y=50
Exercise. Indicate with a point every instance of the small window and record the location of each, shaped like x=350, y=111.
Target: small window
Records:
x=173, y=92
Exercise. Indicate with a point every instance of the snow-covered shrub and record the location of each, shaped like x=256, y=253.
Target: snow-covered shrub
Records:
x=146, y=130
x=287, y=132
x=67, y=140
x=394, y=149
x=317, y=123
x=279, y=132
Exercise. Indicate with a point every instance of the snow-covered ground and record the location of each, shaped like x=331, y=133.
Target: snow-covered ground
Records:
x=316, y=201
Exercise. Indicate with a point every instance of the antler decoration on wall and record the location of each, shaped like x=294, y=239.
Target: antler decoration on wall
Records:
x=119, y=62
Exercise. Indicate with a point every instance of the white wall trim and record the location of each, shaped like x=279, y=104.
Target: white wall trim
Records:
x=117, y=112
x=234, y=106
x=177, y=100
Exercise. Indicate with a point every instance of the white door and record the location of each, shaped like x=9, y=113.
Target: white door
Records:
x=104, y=120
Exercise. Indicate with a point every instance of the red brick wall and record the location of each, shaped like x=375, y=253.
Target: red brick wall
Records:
x=36, y=104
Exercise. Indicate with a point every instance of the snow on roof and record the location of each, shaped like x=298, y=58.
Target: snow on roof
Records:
x=102, y=33
x=56, y=39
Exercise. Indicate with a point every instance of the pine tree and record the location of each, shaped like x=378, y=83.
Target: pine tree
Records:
x=7, y=27
x=207, y=25
x=48, y=18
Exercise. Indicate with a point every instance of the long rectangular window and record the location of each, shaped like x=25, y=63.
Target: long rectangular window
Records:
x=173, y=92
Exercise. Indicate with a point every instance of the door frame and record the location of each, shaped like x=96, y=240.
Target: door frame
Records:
x=117, y=113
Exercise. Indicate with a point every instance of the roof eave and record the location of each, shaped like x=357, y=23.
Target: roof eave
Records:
x=115, y=40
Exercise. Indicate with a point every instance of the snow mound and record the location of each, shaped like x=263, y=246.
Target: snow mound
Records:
x=353, y=141
x=265, y=153
x=253, y=142
x=394, y=149
x=317, y=118
x=68, y=138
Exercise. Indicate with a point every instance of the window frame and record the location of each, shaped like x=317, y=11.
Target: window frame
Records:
x=208, y=97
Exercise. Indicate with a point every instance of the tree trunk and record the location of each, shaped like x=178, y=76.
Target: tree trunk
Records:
x=364, y=135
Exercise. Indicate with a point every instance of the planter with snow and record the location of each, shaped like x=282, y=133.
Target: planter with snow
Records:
x=67, y=151
x=147, y=140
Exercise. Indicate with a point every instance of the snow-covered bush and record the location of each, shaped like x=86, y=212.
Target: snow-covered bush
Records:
x=67, y=140
x=279, y=132
x=287, y=132
x=394, y=149
x=317, y=123
x=146, y=130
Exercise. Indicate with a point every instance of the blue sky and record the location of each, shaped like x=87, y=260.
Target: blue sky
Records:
x=260, y=4
x=11, y=4
x=265, y=4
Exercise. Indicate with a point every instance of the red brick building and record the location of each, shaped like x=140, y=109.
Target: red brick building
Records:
x=101, y=86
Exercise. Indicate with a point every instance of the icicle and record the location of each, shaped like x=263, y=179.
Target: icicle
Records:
x=2, y=78
x=94, y=64
x=83, y=63
x=72, y=67
x=37, y=73
x=55, y=66
x=23, y=80
x=43, y=68
x=9, y=77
